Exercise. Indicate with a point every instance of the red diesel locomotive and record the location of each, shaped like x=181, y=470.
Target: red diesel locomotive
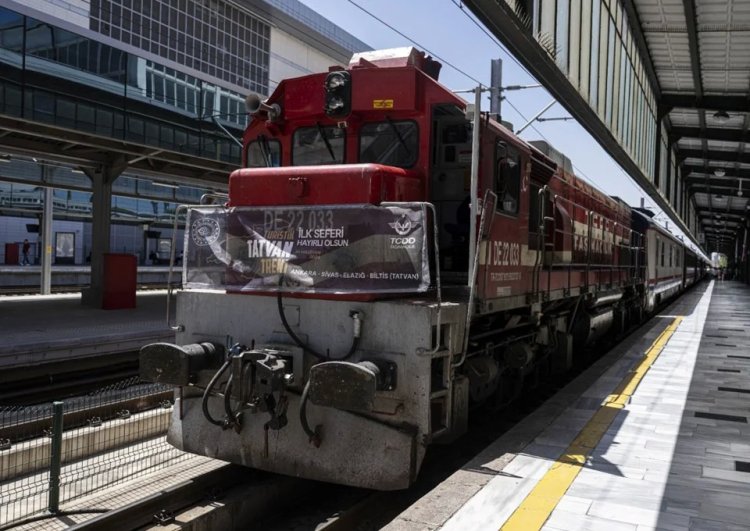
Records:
x=384, y=262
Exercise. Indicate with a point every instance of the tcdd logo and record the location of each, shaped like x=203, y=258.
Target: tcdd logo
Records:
x=402, y=226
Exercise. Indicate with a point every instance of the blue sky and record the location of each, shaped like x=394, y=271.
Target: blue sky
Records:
x=447, y=31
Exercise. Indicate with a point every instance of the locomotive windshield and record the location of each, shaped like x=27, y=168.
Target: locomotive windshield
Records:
x=390, y=143
x=263, y=153
x=318, y=144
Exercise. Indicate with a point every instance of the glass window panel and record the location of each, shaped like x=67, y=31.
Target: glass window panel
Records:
x=610, y=71
x=390, y=143
x=603, y=49
x=11, y=36
x=548, y=19
x=594, y=77
x=629, y=115
x=562, y=26
x=616, y=85
x=318, y=145
x=263, y=153
x=88, y=62
x=575, y=42
x=585, y=46
x=621, y=94
x=507, y=177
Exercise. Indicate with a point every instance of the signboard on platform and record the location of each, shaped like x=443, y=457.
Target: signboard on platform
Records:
x=341, y=249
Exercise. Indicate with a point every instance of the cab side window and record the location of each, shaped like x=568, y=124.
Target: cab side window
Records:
x=263, y=153
x=535, y=220
x=507, y=177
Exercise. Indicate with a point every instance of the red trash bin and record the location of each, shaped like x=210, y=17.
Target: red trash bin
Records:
x=11, y=254
x=120, y=278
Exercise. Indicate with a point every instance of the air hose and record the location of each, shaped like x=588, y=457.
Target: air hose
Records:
x=313, y=435
x=233, y=418
x=233, y=351
x=357, y=316
x=207, y=393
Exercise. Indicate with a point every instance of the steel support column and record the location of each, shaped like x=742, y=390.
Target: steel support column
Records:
x=101, y=212
x=46, y=229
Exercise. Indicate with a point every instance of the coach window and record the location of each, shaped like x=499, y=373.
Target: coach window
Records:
x=662, y=254
x=507, y=177
x=317, y=145
x=391, y=143
x=263, y=153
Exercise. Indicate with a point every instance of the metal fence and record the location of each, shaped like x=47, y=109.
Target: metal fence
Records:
x=52, y=454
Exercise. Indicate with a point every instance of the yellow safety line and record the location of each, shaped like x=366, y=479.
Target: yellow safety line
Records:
x=542, y=500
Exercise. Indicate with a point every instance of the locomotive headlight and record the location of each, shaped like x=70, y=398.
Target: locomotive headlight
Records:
x=335, y=104
x=338, y=94
x=335, y=80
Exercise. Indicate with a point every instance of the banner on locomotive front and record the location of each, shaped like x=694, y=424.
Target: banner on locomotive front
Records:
x=307, y=249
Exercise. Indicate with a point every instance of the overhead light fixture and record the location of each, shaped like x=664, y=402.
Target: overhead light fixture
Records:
x=720, y=172
x=5, y=157
x=76, y=170
x=721, y=116
x=165, y=185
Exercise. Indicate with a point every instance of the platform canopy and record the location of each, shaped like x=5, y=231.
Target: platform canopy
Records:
x=663, y=85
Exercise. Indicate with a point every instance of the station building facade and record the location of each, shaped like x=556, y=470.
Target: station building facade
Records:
x=196, y=58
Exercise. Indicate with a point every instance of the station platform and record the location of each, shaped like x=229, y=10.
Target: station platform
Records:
x=654, y=435
x=39, y=330
x=18, y=276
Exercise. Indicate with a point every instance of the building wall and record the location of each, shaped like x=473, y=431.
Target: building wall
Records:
x=290, y=57
x=215, y=38
x=73, y=11
x=226, y=41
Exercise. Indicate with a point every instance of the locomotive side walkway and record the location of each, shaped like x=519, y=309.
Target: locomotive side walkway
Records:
x=654, y=435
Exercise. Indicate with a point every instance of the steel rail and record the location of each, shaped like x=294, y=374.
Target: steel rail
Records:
x=169, y=500
x=33, y=428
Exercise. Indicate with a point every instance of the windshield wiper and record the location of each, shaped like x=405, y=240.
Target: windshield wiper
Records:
x=265, y=149
x=398, y=135
x=325, y=139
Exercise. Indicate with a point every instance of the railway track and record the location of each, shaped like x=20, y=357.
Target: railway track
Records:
x=337, y=508
x=110, y=404
x=60, y=381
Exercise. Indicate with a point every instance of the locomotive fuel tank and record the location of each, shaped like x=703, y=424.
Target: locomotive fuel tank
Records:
x=592, y=325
